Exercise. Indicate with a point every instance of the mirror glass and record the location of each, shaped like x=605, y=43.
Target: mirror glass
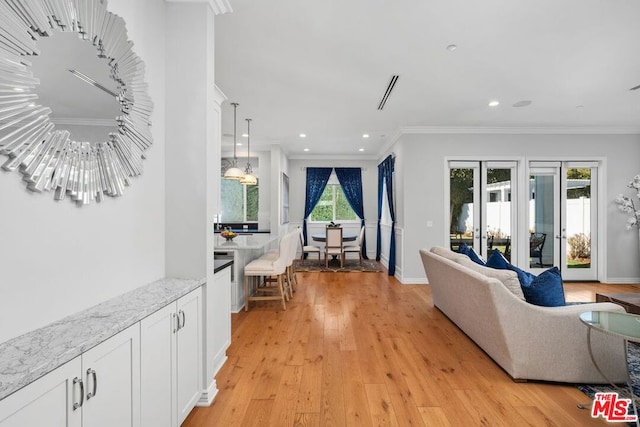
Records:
x=75, y=104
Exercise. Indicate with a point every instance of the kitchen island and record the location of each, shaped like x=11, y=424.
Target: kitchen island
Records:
x=243, y=249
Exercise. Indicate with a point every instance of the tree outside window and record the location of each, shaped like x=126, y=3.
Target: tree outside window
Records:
x=333, y=206
x=239, y=202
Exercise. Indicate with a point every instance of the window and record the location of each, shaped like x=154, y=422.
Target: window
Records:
x=333, y=206
x=239, y=202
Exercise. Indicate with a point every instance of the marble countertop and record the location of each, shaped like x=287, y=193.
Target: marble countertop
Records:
x=247, y=241
x=28, y=357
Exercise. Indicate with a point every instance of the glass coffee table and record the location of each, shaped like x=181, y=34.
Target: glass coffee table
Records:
x=623, y=325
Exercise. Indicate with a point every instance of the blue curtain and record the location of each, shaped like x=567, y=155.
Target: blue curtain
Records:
x=379, y=230
x=351, y=182
x=385, y=176
x=316, y=182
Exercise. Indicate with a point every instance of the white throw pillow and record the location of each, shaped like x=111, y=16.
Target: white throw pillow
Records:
x=448, y=254
x=509, y=280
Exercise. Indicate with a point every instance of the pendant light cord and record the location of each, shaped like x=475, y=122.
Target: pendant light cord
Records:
x=235, y=107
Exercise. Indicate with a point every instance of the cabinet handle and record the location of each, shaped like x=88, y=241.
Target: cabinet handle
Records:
x=77, y=405
x=176, y=322
x=95, y=383
x=184, y=319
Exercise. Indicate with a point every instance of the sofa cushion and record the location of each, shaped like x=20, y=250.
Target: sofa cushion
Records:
x=448, y=254
x=508, y=278
x=497, y=260
x=468, y=251
x=545, y=289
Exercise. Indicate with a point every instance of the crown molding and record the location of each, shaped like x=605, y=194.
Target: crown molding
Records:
x=84, y=122
x=332, y=157
x=218, y=95
x=561, y=130
x=218, y=7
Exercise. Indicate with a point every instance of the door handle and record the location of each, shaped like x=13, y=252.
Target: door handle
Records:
x=184, y=319
x=95, y=383
x=77, y=405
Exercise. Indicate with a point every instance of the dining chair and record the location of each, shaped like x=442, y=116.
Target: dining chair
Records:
x=308, y=249
x=536, y=243
x=333, y=245
x=355, y=248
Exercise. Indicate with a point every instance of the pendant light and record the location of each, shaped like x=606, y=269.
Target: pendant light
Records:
x=248, y=178
x=234, y=172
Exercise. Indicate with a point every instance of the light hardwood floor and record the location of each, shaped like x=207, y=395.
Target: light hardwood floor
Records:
x=362, y=349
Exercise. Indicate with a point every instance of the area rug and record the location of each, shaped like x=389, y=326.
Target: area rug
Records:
x=633, y=356
x=350, y=265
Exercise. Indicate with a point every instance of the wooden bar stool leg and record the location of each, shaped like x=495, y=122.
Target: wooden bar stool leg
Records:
x=282, y=293
x=246, y=293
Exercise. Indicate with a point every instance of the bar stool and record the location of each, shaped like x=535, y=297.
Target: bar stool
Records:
x=264, y=267
x=290, y=278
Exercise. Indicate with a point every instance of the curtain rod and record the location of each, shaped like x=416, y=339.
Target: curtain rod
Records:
x=304, y=168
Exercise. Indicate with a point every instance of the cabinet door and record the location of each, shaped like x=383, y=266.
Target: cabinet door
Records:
x=158, y=405
x=218, y=321
x=112, y=381
x=49, y=401
x=189, y=347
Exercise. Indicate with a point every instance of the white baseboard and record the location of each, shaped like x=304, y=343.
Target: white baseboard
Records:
x=414, y=281
x=208, y=395
x=622, y=280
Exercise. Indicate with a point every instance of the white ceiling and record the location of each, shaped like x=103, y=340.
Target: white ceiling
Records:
x=321, y=67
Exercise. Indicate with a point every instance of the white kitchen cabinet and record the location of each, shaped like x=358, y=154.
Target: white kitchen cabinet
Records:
x=189, y=346
x=171, y=358
x=112, y=381
x=101, y=388
x=47, y=401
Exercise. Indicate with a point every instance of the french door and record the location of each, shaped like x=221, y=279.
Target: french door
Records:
x=482, y=206
x=563, y=218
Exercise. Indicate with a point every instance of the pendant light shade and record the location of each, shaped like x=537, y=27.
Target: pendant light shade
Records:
x=248, y=178
x=234, y=172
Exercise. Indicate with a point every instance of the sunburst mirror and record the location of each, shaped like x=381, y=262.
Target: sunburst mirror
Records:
x=53, y=159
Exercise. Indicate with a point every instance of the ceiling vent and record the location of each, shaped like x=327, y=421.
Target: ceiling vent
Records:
x=387, y=93
x=635, y=87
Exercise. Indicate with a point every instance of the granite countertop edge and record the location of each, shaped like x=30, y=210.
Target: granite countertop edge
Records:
x=28, y=357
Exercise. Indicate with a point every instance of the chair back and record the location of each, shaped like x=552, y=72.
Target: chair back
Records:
x=360, y=236
x=293, y=246
x=333, y=237
x=536, y=243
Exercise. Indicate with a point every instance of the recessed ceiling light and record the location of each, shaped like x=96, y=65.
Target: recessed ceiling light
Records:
x=365, y=135
x=303, y=135
x=306, y=149
x=523, y=103
x=244, y=135
x=494, y=103
x=361, y=149
x=239, y=144
x=452, y=47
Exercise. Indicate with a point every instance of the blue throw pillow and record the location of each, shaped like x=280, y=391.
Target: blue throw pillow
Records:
x=545, y=290
x=497, y=260
x=468, y=251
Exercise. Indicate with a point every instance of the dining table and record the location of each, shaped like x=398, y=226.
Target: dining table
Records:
x=322, y=237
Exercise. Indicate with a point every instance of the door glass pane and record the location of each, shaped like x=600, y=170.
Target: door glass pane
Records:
x=461, y=207
x=578, y=218
x=541, y=220
x=498, y=208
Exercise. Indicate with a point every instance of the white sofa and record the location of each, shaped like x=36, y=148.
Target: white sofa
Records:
x=529, y=342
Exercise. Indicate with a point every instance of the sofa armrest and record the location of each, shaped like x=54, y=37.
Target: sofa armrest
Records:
x=558, y=339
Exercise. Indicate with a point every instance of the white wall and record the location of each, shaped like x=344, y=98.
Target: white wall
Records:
x=56, y=258
x=422, y=200
x=297, y=184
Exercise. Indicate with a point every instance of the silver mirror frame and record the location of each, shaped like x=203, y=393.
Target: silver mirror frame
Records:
x=47, y=158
